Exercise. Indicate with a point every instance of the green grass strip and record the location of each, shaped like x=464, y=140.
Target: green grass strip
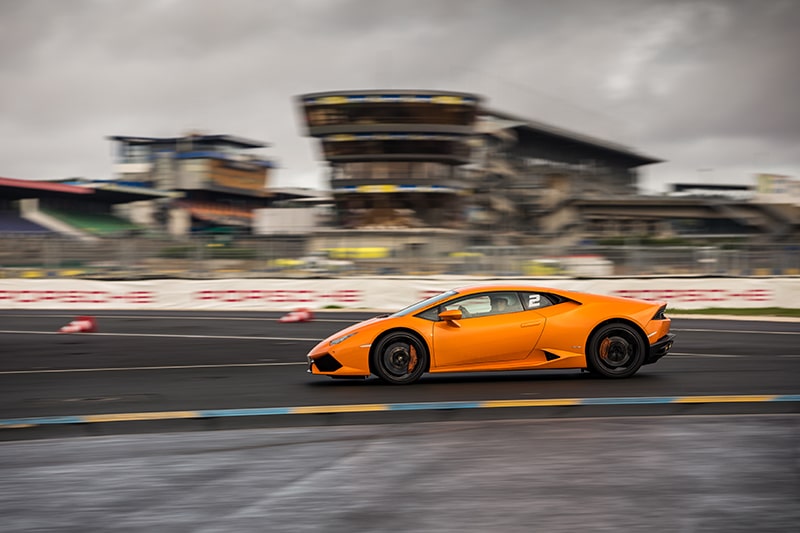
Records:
x=755, y=311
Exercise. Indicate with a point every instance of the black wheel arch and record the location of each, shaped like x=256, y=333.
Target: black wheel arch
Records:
x=409, y=331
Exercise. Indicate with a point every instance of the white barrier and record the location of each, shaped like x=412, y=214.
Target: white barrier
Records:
x=369, y=293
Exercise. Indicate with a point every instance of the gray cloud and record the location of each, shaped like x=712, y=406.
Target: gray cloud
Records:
x=705, y=83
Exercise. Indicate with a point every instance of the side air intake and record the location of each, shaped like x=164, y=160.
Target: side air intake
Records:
x=550, y=356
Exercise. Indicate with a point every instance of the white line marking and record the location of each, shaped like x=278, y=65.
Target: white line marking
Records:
x=788, y=356
x=244, y=365
x=165, y=335
x=134, y=368
x=707, y=355
x=749, y=332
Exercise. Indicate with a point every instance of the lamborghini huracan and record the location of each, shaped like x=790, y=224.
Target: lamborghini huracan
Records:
x=498, y=328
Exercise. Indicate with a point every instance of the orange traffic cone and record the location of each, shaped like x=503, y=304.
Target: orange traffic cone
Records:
x=300, y=315
x=82, y=324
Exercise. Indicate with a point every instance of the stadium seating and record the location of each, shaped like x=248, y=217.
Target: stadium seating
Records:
x=12, y=223
x=99, y=224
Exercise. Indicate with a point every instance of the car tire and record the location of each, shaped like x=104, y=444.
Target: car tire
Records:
x=400, y=358
x=616, y=350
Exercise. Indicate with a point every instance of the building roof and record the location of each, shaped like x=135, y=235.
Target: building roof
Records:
x=389, y=96
x=232, y=140
x=104, y=192
x=557, y=133
x=17, y=189
x=114, y=193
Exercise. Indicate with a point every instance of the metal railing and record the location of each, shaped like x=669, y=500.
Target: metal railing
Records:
x=294, y=256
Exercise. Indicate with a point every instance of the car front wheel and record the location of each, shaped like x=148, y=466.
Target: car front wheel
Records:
x=616, y=351
x=400, y=358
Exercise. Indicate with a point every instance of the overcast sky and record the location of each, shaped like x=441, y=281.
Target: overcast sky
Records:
x=711, y=86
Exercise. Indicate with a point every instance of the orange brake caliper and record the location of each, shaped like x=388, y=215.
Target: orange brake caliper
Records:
x=412, y=363
x=604, y=348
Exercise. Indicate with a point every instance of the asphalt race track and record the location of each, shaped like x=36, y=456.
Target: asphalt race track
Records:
x=165, y=362
x=209, y=422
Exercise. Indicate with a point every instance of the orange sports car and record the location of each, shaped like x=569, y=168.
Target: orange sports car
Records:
x=499, y=327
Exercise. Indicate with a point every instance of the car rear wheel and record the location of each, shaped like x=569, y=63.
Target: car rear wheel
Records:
x=400, y=358
x=616, y=351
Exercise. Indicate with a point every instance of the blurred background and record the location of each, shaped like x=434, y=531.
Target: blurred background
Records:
x=587, y=139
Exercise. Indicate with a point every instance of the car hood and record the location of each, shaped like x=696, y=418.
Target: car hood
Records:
x=356, y=327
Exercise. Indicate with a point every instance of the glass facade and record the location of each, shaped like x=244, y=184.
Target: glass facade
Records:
x=393, y=171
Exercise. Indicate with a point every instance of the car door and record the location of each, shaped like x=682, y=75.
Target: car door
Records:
x=485, y=335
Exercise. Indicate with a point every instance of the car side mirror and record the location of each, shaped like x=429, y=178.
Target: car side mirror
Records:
x=450, y=316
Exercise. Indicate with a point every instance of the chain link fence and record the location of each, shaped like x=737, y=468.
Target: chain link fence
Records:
x=301, y=256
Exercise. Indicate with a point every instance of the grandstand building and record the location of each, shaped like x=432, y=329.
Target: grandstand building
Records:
x=474, y=176
x=529, y=176
x=400, y=160
x=83, y=212
x=52, y=228
x=551, y=186
x=221, y=177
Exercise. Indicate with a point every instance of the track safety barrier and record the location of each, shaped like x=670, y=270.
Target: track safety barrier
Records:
x=384, y=294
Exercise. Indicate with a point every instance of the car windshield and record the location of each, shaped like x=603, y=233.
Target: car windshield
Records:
x=423, y=304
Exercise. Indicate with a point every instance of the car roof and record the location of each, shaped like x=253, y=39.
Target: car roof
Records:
x=472, y=289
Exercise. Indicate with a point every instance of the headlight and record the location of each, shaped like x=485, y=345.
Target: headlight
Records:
x=340, y=339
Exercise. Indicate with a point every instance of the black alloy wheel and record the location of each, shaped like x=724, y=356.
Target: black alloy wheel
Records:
x=400, y=358
x=616, y=350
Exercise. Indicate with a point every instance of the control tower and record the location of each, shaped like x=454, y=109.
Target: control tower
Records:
x=396, y=157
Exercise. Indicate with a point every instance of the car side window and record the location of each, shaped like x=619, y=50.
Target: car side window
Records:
x=504, y=302
x=536, y=300
x=470, y=306
x=475, y=305
x=486, y=304
x=493, y=303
